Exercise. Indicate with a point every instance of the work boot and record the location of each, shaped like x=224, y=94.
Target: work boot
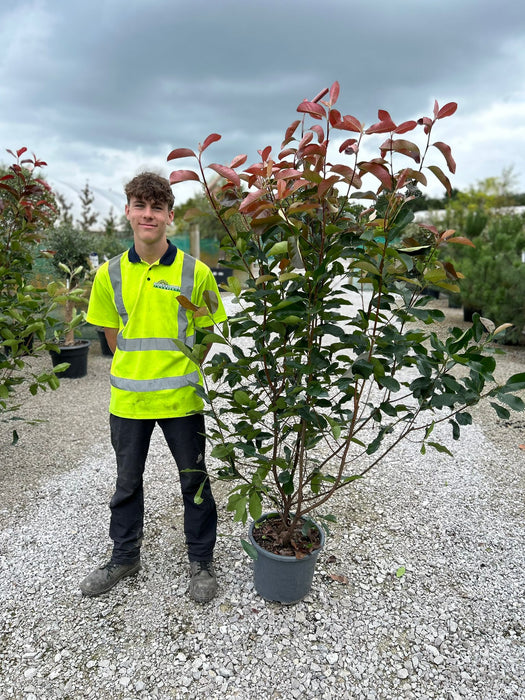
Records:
x=203, y=584
x=105, y=577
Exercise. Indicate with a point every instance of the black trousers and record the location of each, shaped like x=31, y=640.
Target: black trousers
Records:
x=186, y=440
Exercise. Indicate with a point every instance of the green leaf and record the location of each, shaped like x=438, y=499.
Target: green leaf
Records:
x=401, y=571
x=249, y=549
x=255, y=505
x=234, y=286
x=60, y=367
x=242, y=398
x=198, y=496
x=222, y=451
x=279, y=248
x=190, y=354
x=514, y=383
x=440, y=448
x=211, y=301
x=513, y=401
x=334, y=426
x=502, y=412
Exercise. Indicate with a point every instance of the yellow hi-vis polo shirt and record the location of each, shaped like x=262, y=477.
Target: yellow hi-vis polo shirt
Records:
x=150, y=377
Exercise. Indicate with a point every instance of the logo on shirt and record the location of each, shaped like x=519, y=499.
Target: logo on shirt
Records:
x=162, y=284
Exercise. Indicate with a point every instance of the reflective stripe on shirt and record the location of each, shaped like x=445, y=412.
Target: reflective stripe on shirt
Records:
x=139, y=385
x=145, y=344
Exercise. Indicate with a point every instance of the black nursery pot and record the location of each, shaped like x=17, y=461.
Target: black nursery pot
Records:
x=104, y=347
x=76, y=355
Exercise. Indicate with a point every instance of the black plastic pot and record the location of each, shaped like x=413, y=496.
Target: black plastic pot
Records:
x=283, y=579
x=104, y=347
x=469, y=311
x=76, y=355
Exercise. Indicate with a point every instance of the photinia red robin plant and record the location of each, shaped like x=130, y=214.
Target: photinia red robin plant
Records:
x=26, y=310
x=331, y=360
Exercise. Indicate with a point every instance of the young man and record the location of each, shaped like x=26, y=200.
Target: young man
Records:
x=135, y=299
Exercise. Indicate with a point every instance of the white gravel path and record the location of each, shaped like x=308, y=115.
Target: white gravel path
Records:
x=453, y=626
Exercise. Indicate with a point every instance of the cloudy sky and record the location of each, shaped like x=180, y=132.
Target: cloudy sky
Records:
x=106, y=88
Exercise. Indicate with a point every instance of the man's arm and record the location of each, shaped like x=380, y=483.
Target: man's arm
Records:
x=111, y=337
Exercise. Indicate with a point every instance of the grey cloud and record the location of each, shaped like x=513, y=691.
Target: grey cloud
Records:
x=127, y=74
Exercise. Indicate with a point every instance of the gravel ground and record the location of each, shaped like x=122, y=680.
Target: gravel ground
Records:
x=453, y=626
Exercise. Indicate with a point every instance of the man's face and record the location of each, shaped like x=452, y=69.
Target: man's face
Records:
x=148, y=220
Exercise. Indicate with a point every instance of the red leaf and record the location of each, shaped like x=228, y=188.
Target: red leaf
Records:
x=312, y=108
x=238, y=160
x=265, y=153
x=383, y=115
x=429, y=227
x=320, y=95
x=436, y=108
x=305, y=140
x=378, y=171
x=427, y=122
x=381, y=127
x=326, y=185
x=20, y=151
x=462, y=240
x=319, y=131
x=250, y=198
x=334, y=117
x=346, y=144
x=314, y=149
x=345, y=171
x=441, y=177
x=287, y=152
x=402, y=146
x=404, y=127
x=446, y=151
x=290, y=132
x=183, y=176
x=334, y=93
x=181, y=153
x=227, y=173
x=287, y=173
x=208, y=141
x=416, y=175
x=349, y=123
x=255, y=169
x=447, y=110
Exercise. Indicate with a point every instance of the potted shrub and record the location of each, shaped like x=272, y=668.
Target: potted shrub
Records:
x=70, y=251
x=328, y=363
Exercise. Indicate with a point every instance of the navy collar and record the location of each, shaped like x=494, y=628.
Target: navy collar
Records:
x=167, y=258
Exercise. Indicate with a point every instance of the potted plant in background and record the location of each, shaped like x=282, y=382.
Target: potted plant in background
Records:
x=70, y=251
x=328, y=363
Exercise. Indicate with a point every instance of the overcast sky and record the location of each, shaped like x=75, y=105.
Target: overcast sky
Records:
x=103, y=89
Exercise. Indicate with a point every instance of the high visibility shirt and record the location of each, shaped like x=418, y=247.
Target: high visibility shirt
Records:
x=150, y=377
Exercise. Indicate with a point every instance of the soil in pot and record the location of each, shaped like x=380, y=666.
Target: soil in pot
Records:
x=269, y=535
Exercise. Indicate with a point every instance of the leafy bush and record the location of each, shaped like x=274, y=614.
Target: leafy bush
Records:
x=26, y=208
x=329, y=364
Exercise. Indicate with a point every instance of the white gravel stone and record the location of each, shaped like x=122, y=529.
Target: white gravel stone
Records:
x=456, y=525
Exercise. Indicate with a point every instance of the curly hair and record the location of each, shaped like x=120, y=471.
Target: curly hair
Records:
x=150, y=187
